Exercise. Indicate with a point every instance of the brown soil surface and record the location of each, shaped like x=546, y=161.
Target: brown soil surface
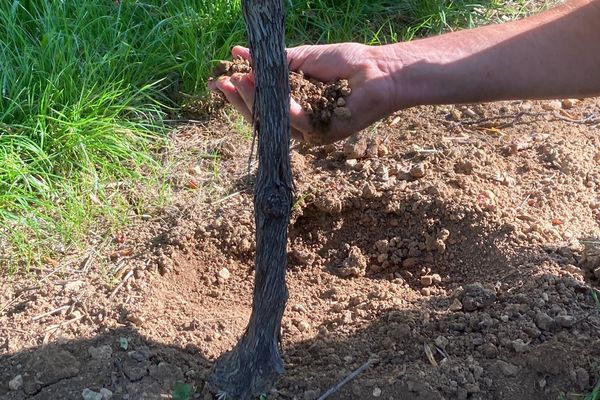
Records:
x=444, y=245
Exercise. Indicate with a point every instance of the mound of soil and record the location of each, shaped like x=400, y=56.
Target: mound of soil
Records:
x=321, y=100
x=455, y=248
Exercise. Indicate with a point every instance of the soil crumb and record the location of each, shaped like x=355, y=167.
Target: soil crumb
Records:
x=321, y=100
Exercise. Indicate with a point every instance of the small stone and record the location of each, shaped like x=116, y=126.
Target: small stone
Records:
x=299, y=308
x=106, y=394
x=542, y=383
x=74, y=286
x=355, y=264
x=140, y=355
x=428, y=280
x=383, y=173
x=553, y=105
x=355, y=147
x=532, y=331
x=224, y=274
x=472, y=388
x=16, y=383
x=417, y=170
x=195, y=170
x=568, y=103
x=369, y=191
x=544, y=321
x=341, y=102
x=573, y=269
x=346, y=317
x=103, y=352
x=441, y=342
x=88, y=394
x=135, y=319
x=566, y=321
x=456, y=114
x=519, y=346
x=464, y=167
x=469, y=112
x=507, y=369
x=311, y=394
x=526, y=106
x=329, y=203
x=476, y=296
x=489, y=350
x=426, y=291
x=135, y=370
x=345, y=87
x=376, y=392
x=456, y=305
x=583, y=378
x=351, y=163
x=304, y=257
x=382, y=150
x=303, y=326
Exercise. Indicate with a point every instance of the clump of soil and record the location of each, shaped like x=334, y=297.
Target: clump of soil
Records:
x=321, y=100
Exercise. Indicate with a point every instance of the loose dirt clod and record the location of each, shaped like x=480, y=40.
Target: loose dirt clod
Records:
x=321, y=100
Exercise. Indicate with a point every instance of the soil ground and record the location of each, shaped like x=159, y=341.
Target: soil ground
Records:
x=447, y=245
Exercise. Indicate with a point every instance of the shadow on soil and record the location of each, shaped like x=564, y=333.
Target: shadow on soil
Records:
x=149, y=370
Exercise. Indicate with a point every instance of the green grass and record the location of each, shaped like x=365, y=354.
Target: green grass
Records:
x=593, y=395
x=86, y=87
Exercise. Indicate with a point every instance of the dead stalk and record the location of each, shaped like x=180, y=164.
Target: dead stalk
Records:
x=347, y=379
x=115, y=290
x=52, y=312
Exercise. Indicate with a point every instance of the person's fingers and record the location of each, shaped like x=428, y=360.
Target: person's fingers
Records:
x=244, y=84
x=212, y=85
x=241, y=51
x=231, y=94
x=239, y=90
x=296, y=56
x=298, y=117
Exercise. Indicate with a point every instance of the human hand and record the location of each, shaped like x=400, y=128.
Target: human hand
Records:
x=365, y=71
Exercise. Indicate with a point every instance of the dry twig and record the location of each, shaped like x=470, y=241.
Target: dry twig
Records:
x=347, y=379
x=115, y=290
x=52, y=312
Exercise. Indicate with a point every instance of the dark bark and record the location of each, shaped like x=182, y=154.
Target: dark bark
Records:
x=254, y=364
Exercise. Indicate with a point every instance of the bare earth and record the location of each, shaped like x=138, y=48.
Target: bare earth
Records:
x=448, y=246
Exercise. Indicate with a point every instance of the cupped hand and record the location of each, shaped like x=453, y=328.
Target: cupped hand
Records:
x=369, y=101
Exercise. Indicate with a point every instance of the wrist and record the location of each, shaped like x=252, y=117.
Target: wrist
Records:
x=414, y=74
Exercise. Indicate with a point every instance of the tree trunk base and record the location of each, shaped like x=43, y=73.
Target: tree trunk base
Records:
x=250, y=369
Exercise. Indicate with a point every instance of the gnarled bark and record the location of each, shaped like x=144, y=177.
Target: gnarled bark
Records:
x=254, y=364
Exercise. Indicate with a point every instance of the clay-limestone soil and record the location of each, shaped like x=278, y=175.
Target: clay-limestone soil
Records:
x=454, y=247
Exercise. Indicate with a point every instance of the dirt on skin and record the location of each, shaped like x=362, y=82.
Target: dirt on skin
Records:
x=454, y=247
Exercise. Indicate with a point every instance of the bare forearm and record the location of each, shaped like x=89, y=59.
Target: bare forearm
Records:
x=554, y=54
